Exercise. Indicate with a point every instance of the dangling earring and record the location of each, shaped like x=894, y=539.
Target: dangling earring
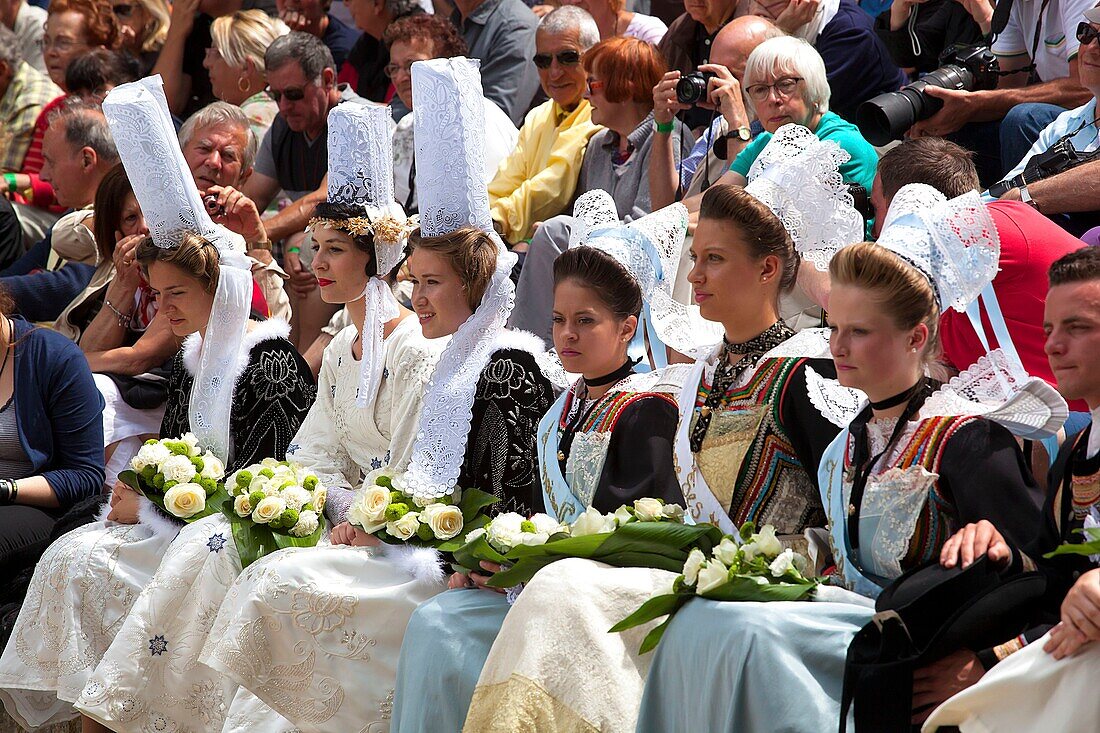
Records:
x=244, y=84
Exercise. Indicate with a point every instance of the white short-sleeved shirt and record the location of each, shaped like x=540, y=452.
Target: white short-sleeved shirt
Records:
x=1058, y=36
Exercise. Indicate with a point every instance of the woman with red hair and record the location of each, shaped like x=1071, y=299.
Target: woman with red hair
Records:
x=73, y=28
x=621, y=72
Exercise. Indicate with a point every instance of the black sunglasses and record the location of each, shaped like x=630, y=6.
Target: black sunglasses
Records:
x=1086, y=34
x=294, y=94
x=123, y=10
x=565, y=58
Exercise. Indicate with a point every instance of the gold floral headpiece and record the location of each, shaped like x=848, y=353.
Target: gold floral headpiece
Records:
x=384, y=228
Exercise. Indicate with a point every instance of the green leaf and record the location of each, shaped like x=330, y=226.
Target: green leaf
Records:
x=744, y=588
x=653, y=638
x=522, y=571
x=1080, y=548
x=287, y=540
x=654, y=608
x=471, y=553
x=133, y=480
x=472, y=502
x=459, y=540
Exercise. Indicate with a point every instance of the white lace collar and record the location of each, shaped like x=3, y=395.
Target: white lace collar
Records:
x=269, y=330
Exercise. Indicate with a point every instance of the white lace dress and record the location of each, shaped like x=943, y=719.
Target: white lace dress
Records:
x=151, y=678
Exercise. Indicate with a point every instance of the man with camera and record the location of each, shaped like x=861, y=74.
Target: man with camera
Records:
x=1058, y=175
x=713, y=87
x=691, y=40
x=1036, y=51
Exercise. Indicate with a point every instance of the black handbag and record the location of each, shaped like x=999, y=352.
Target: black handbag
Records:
x=924, y=615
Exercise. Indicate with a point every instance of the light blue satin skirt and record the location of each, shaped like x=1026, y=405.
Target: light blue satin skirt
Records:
x=743, y=667
x=446, y=644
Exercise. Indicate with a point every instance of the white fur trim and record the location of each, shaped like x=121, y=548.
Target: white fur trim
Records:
x=420, y=563
x=269, y=330
x=520, y=340
x=101, y=515
x=155, y=519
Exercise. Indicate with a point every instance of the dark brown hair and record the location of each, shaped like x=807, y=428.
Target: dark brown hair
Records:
x=943, y=165
x=440, y=32
x=763, y=233
x=628, y=67
x=472, y=254
x=602, y=274
x=194, y=255
x=1078, y=266
x=363, y=242
x=110, y=200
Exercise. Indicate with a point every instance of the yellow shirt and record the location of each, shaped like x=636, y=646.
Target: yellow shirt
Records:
x=538, y=179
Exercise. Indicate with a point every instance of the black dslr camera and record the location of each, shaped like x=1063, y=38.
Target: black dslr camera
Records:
x=887, y=116
x=1059, y=157
x=692, y=88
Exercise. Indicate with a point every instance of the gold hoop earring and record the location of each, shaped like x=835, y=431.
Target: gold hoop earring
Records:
x=244, y=84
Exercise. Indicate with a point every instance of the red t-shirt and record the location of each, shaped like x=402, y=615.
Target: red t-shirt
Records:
x=1030, y=243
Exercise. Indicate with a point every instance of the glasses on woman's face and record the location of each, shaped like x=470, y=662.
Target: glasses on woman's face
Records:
x=392, y=70
x=784, y=88
x=61, y=44
x=565, y=58
x=1086, y=33
x=594, y=85
x=123, y=10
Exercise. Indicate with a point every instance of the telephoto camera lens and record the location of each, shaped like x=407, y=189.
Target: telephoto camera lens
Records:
x=887, y=116
x=692, y=88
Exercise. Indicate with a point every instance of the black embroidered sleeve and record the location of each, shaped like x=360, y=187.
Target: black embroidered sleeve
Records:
x=639, y=458
x=512, y=396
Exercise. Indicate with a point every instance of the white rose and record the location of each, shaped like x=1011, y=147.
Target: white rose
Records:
x=695, y=560
x=269, y=508
x=673, y=512
x=623, y=516
x=307, y=524
x=185, y=500
x=178, y=469
x=533, y=538
x=712, y=574
x=372, y=477
x=783, y=564
x=592, y=522
x=504, y=530
x=320, y=494
x=398, y=482
x=192, y=444
x=445, y=520
x=270, y=463
x=258, y=483
x=726, y=551
x=295, y=497
x=766, y=541
x=479, y=532
x=149, y=455
x=242, y=506
x=547, y=524
x=648, y=510
x=405, y=527
x=369, y=507
x=212, y=467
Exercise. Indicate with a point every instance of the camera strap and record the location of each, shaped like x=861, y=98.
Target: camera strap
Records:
x=1001, y=14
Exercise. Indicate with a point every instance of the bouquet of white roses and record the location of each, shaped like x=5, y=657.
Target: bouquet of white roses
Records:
x=274, y=504
x=384, y=509
x=648, y=533
x=751, y=567
x=178, y=477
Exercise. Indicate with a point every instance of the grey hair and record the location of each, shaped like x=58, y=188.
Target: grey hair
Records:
x=308, y=51
x=570, y=17
x=221, y=113
x=401, y=8
x=86, y=127
x=9, y=43
x=789, y=55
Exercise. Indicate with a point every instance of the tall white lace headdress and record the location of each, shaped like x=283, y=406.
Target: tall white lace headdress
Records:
x=360, y=173
x=952, y=242
x=649, y=249
x=797, y=176
x=141, y=125
x=449, y=124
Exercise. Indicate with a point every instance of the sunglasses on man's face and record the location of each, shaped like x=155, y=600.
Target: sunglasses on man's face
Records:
x=293, y=94
x=123, y=10
x=1086, y=33
x=565, y=58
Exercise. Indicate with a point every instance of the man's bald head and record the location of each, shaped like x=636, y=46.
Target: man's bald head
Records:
x=738, y=38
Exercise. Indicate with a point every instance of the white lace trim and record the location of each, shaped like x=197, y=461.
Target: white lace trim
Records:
x=809, y=343
x=836, y=403
x=954, y=243
x=797, y=176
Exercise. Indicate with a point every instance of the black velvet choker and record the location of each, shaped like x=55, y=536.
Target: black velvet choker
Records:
x=614, y=376
x=899, y=398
